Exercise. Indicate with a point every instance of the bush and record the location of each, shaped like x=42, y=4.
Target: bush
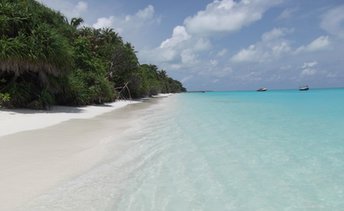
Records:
x=84, y=88
x=4, y=99
x=46, y=99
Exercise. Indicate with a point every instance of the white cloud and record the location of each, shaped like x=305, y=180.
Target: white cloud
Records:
x=104, y=22
x=182, y=40
x=245, y=55
x=171, y=50
x=333, y=21
x=278, y=50
x=320, y=43
x=202, y=44
x=252, y=76
x=180, y=50
x=80, y=8
x=227, y=15
x=287, y=13
x=308, y=71
x=271, y=46
x=69, y=9
x=222, y=52
x=147, y=13
x=209, y=70
x=129, y=23
x=309, y=68
x=214, y=62
x=179, y=35
x=188, y=57
x=222, y=72
x=309, y=64
x=275, y=34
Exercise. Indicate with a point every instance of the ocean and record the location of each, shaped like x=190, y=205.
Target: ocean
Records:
x=239, y=150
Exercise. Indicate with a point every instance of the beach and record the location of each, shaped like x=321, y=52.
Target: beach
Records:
x=171, y=105
x=18, y=120
x=41, y=149
x=241, y=150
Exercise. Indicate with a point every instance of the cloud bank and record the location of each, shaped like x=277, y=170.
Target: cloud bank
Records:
x=272, y=46
x=227, y=16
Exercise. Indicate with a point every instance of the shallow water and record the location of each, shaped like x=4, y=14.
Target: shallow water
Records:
x=275, y=150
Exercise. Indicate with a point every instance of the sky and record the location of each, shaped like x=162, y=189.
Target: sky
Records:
x=228, y=44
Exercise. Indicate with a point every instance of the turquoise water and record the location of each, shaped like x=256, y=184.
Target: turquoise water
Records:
x=275, y=150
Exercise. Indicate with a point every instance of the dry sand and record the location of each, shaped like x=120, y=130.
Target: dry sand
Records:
x=18, y=120
x=37, y=153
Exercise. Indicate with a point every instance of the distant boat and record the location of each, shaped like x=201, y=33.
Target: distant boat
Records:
x=263, y=89
x=304, y=88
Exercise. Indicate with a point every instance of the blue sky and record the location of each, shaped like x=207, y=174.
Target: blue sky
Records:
x=228, y=44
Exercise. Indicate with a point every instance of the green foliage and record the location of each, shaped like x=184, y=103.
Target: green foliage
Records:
x=84, y=88
x=46, y=60
x=31, y=37
x=26, y=94
x=154, y=81
x=89, y=83
x=4, y=99
x=46, y=99
x=33, y=49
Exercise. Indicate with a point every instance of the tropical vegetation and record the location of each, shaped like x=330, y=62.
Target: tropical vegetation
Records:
x=46, y=59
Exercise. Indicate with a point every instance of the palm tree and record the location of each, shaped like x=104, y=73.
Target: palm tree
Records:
x=162, y=74
x=76, y=22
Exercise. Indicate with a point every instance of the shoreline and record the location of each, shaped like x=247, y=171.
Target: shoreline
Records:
x=19, y=120
x=36, y=160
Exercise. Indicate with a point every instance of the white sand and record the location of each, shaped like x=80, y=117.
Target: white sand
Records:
x=36, y=160
x=17, y=120
x=162, y=95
